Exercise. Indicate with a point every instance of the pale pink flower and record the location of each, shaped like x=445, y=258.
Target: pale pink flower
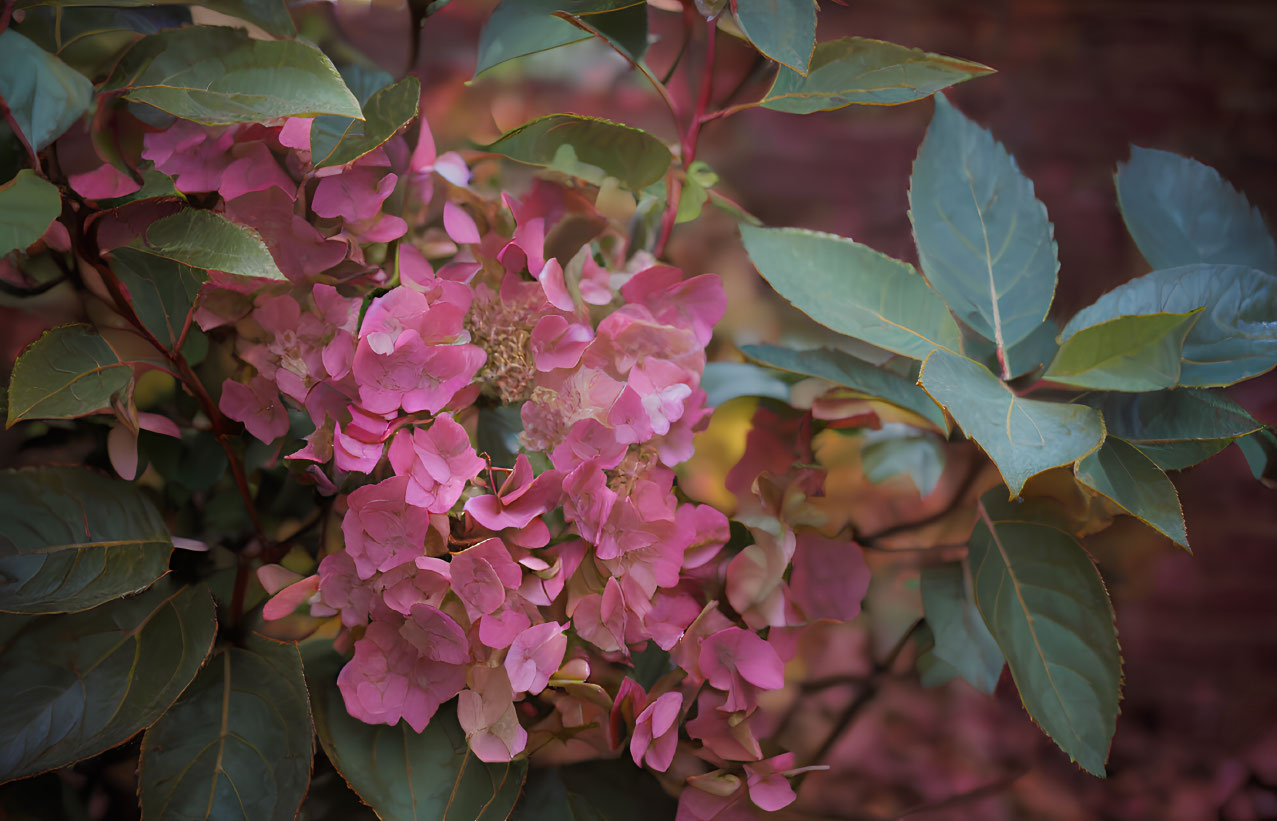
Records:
x=726, y=734
x=534, y=656
x=482, y=574
x=520, y=499
x=382, y=530
x=740, y=662
x=258, y=405
x=656, y=732
x=438, y=460
x=486, y=713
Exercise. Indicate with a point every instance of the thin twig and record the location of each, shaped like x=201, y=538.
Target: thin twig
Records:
x=874, y=540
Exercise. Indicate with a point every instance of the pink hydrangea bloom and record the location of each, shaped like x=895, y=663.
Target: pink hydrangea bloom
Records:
x=438, y=461
x=257, y=405
x=382, y=530
x=519, y=500
x=656, y=732
x=534, y=656
x=486, y=713
x=740, y=662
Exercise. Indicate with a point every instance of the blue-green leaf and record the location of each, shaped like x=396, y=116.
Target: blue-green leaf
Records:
x=724, y=381
x=1046, y=606
x=1181, y=212
x=520, y=27
x=45, y=94
x=784, y=30
x=961, y=638
x=1235, y=338
x=28, y=205
x=161, y=290
x=1129, y=353
x=270, y=15
x=983, y=238
x=1171, y=416
x=853, y=289
x=856, y=70
x=1022, y=436
x=1121, y=472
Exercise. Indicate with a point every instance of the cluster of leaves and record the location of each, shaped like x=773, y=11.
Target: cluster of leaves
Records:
x=108, y=631
x=1120, y=394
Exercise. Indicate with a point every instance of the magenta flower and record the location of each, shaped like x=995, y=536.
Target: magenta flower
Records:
x=519, y=500
x=656, y=732
x=258, y=405
x=535, y=655
x=740, y=662
x=382, y=530
x=438, y=461
x=358, y=444
x=355, y=194
x=482, y=574
x=728, y=735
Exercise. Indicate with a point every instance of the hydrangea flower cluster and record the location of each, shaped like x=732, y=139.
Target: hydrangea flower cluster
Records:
x=519, y=591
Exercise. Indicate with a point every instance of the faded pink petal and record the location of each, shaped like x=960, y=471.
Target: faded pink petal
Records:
x=486, y=713
x=656, y=732
x=556, y=343
x=768, y=783
x=355, y=194
x=381, y=529
x=438, y=460
x=534, y=656
x=290, y=598
x=459, y=224
x=103, y=182
x=829, y=577
x=254, y=169
x=519, y=500
x=257, y=405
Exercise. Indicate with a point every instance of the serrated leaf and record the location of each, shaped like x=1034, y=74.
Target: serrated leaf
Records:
x=1235, y=338
x=44, y=94
x=237, y=744
x=521, y=27
x=338, y=140
x=28, y=205
x=857, y=70
x=161, y=290
x=1045, y=604
x=403, y=775
x=850, y=372
x=1136, y=484
x=210, y=241
x=1183, y=454
x=1171, y=416
x=962, y=641
x=69, y=371
x=1181, y=212
x=1022, y=436
x=587, y=147
x=983, y=238
x=269, y=15
x=593, y=791
x=853, y=289
x=917, y=454
x=79, y=683
x=217, y=76
x=74, y=538
x=1129, y=353
x=784, y=30
x=725, y=381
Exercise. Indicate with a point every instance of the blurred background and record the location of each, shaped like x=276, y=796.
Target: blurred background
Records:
x=1077, y=81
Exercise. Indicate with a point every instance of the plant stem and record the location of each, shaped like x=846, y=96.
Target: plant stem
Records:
x=690, y=135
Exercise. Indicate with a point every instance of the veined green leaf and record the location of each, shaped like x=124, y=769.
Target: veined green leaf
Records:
x=44, y=94
x=1181, y=212
x=587, y=147
x=1046, y=606
x=521, y=27
x=853, y=289
x=28, y=205
x=784, y=30
x=269, y=15
x=210, y=241
x=1171, y=416
x=80, y=683
x=1181, y=454
x=1235, y=338
x=1129, y=353
x=404, y=775
x=856, y=70
x=1022, y=436
x=74, y=539
x=91, y=38
x=162, y=290
x=217, y=76
x=961, y=638
x=850, y=372
x=341, y=140
x=1121, y=472
x=68, y=372
x=237, y=744
x=984, y=239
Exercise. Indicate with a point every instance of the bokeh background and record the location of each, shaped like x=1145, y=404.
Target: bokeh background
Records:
x=1077, y=81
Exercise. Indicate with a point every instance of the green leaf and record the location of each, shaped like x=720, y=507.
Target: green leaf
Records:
x=725, y=381
x=399, y=773
x=587, y=147
x=216, y=76
x=44, y=94
x=1046, y=606
x=1034, y=351
x=1171, y=416
x=1183, y=454
x=74, y=538
x=1180, y=212
x=856, y=70
x=210, y=241
x=846, y=370
x=269, y=15
x=91, y=39
x=237, y=744
x=28, y=206
x=899, y=450
x=162, y=290
x=961, y=638
x=69, y=371
x=698, y=181
x=1234, y=339
x=338, y=140
x=80, y=683
x=1135, y=483
x=1260, y=450
x=521, y=27
x=784, y=30
x=983, y=238
x=1129, y=353
x=612, y=790
x=853, y=289
x=1023, y=437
